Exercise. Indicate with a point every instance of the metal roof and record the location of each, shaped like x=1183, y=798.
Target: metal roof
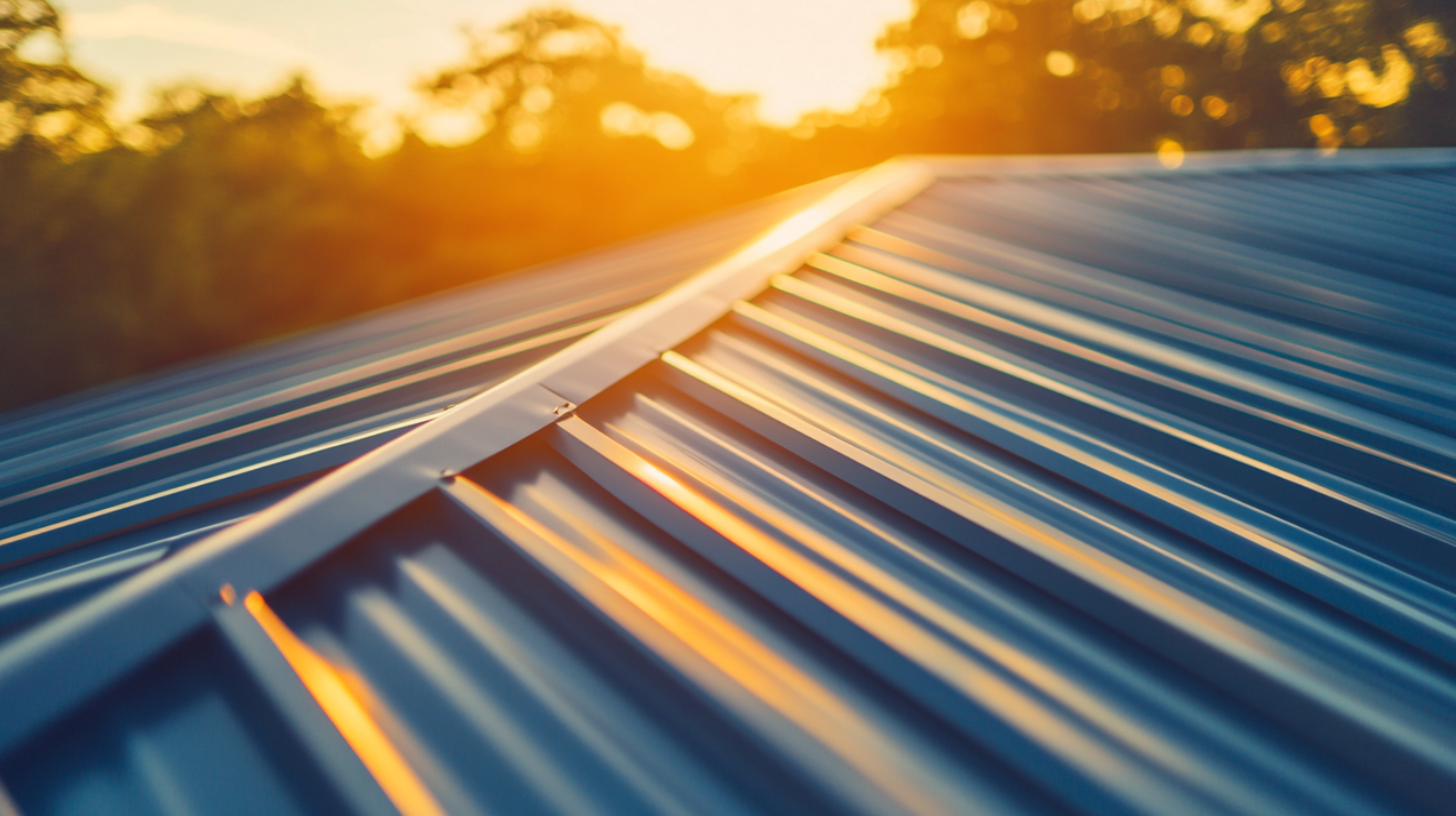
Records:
x=95, y=487
x=1061, y=486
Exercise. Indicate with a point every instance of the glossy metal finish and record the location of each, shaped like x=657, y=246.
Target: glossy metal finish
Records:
x=1116, y=491
x=97, y=486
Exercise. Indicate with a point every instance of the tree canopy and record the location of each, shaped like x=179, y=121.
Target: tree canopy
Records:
x=43, y=98
x=216, y=221
x=1033, y=76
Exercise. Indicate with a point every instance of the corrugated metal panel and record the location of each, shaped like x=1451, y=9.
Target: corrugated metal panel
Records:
x=220, y=440
x=1053, y=492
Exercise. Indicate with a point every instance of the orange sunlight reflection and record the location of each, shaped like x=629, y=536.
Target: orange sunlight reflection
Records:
x=703, y=642
x=359, y=729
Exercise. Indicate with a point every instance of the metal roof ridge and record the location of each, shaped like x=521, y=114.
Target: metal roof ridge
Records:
x=122, y=627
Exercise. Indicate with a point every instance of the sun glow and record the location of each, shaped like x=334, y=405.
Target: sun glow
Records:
x=797, y=55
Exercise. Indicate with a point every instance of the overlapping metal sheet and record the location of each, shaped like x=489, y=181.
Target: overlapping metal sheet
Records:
x=95, y=487
x=1078, y=487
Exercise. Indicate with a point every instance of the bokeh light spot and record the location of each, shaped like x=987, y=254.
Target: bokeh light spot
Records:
x=537, y=99
x=1060, y=63
x=1167, y=20
x=1087, y=11
x=671, y=131
x=624, y=119
x=1170, y=154
x=973, y=21
x=450, y=126
x=1321, y=125
x=527, y=136
x=1428, y=40
x=1386, y=88
x=1233, y=16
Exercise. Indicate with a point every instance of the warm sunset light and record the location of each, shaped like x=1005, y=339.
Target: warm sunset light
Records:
x=706, y=644
x=189, y=177
x=655, y=407
x=798, y=55
x=359, y=729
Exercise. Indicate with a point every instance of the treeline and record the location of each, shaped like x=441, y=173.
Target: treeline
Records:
x=216, y=222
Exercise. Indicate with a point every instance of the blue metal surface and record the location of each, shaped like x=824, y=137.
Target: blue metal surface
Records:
x=1056, y=492
x=96, y=486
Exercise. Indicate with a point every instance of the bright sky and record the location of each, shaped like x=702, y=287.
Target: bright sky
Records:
x=798, y=55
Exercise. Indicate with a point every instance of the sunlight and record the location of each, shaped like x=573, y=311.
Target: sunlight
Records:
x=1060, y=63
x=624, y=119
x=797, y=55
x=1170, y=154
x=339, y=703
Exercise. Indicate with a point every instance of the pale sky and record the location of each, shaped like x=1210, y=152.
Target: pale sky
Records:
x=798, y=55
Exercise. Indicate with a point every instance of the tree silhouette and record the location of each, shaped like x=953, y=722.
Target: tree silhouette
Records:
x=218, y=221
x=45, y=102
x=1032, y=76
x=556, y=85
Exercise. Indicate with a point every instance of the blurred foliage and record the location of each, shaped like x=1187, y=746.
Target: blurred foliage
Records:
x=44, y=101
x=538, y=86
x=215, y=222
x=1033, y=76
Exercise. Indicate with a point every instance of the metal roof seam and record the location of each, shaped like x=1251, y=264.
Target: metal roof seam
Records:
x=265, y=549
x=984, y=508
